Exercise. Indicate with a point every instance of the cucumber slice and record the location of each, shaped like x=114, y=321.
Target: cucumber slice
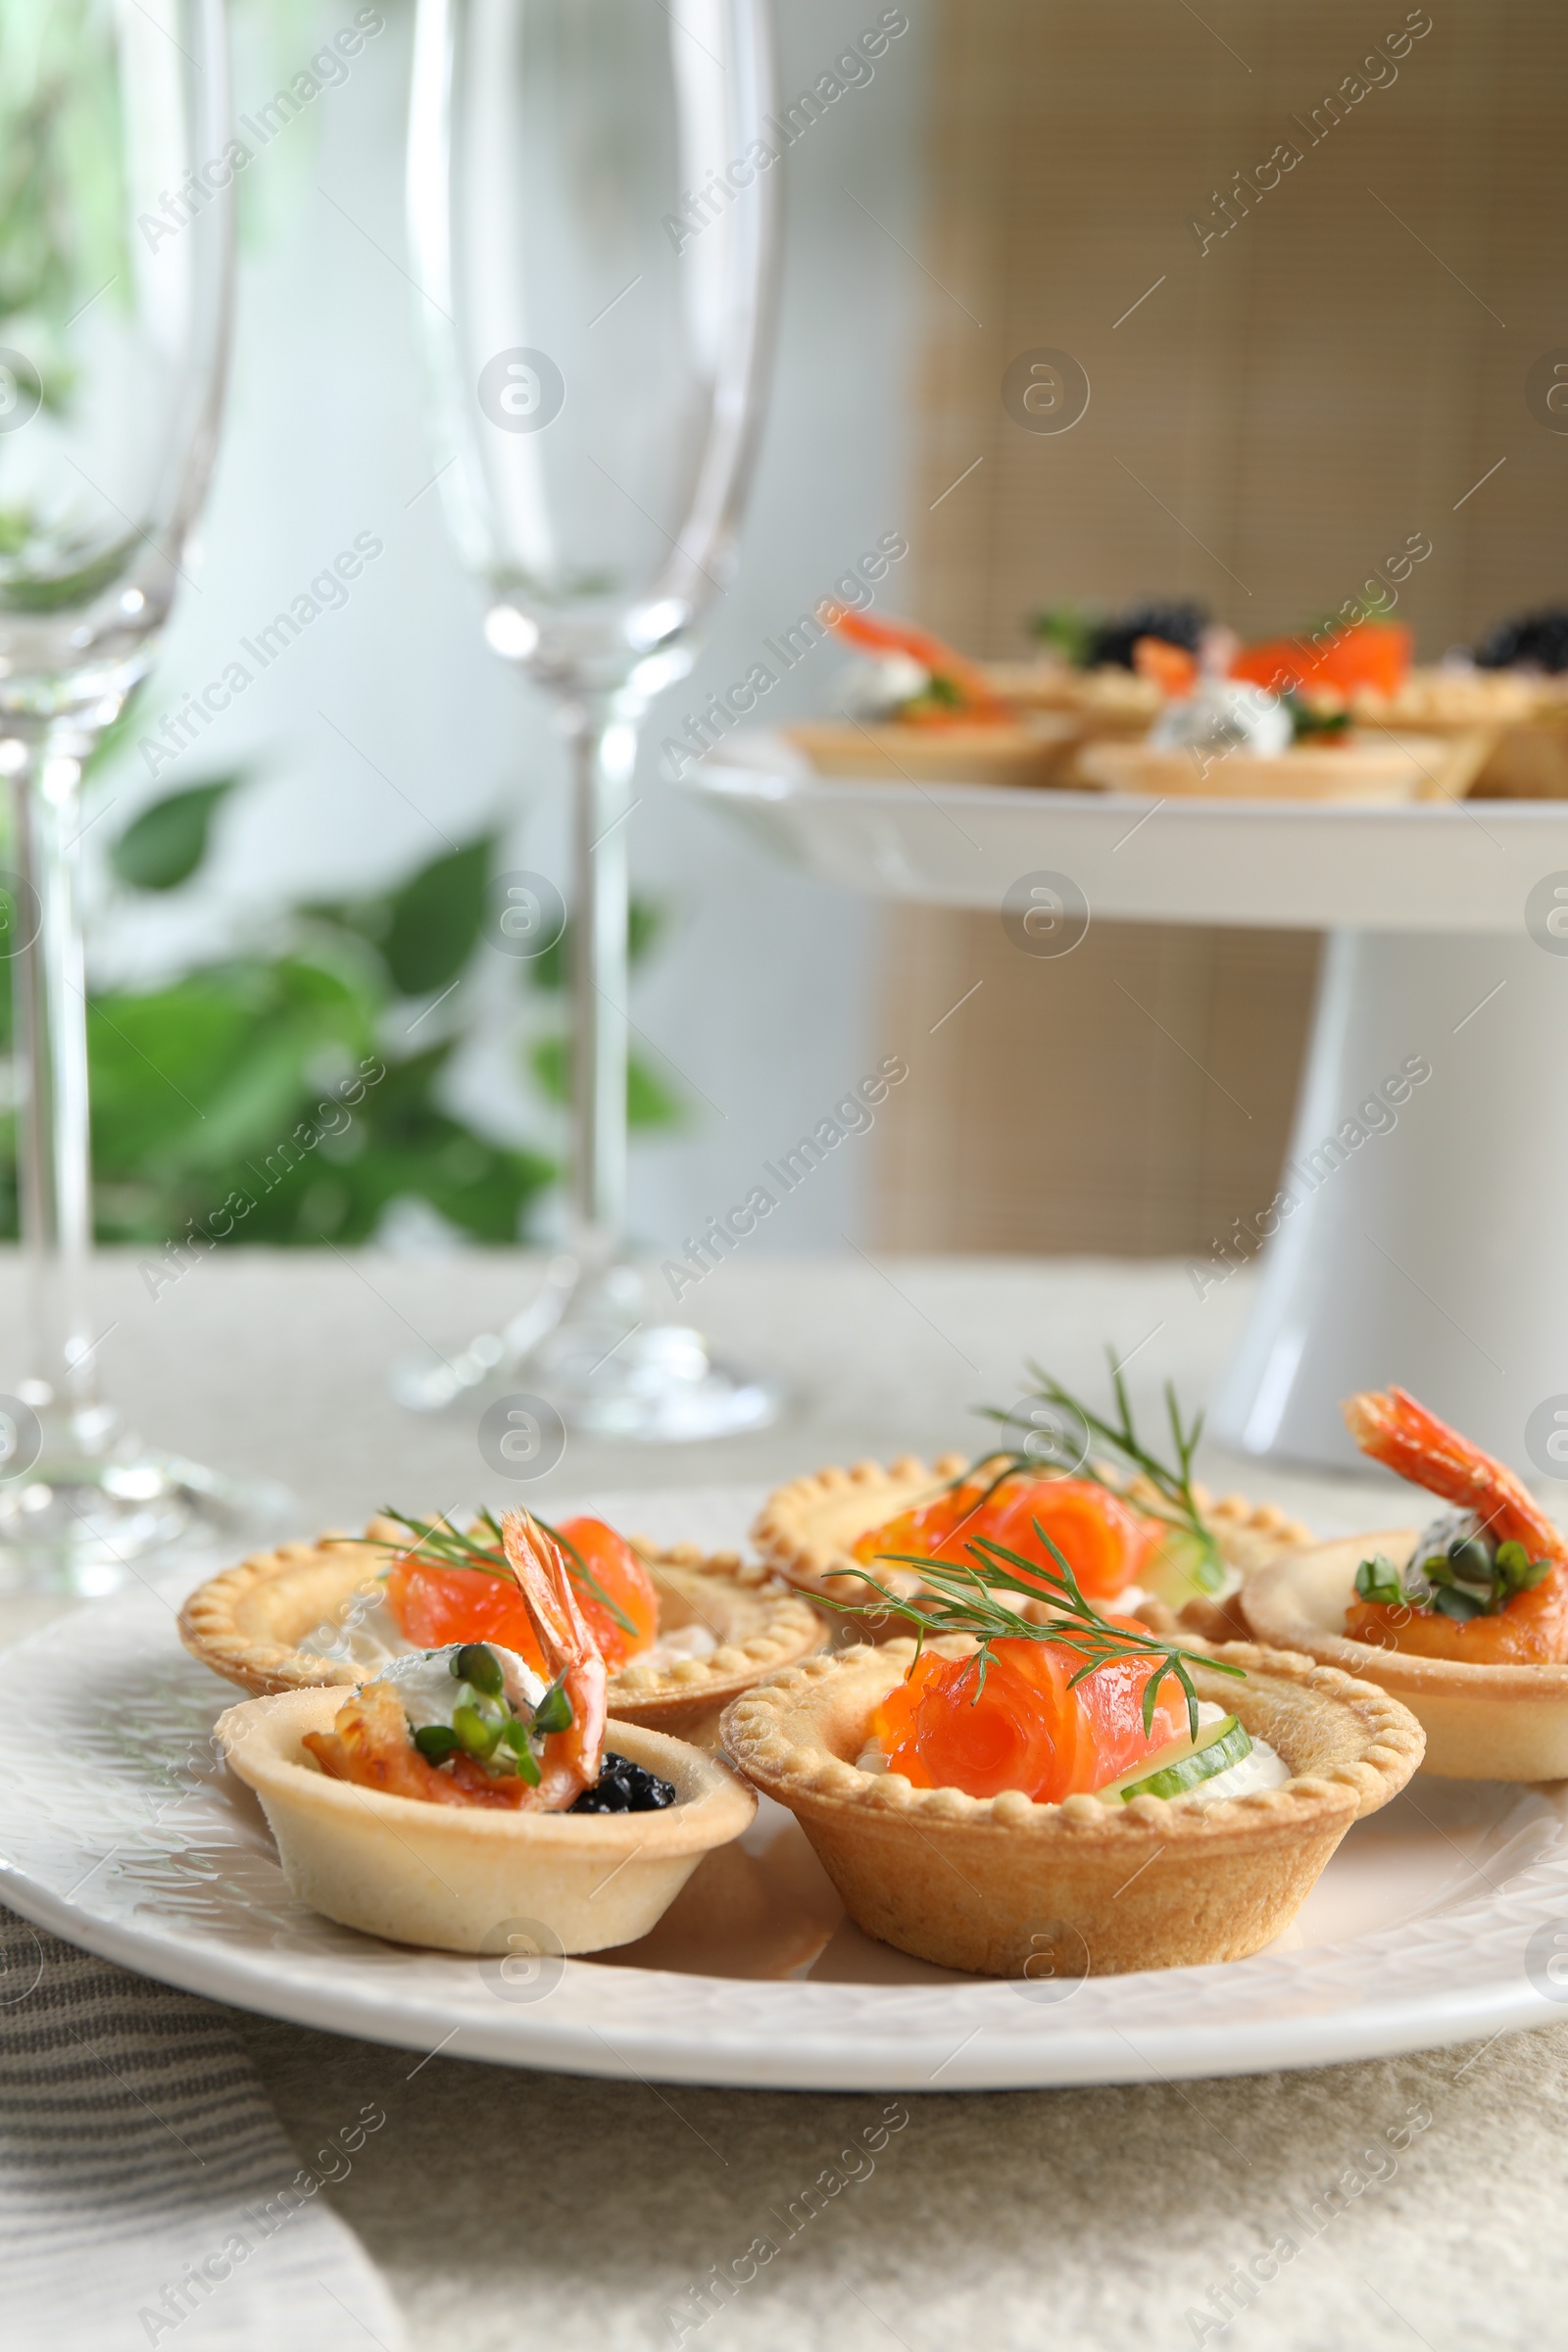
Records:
x=1218, y=1746
x=1181, y=1569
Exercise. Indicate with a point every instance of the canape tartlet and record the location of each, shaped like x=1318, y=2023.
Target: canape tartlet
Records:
x=423, y=1874
x=1528, y=762
x=1136, y=1528
x=1097, y=1882
x=1020, y=752
x=458, y=1795
x=933, y=716
x=1087, y=668
x=312, y=1614
x=1465, y=1621
x=1455, y=702
x=1368, y=765
x=1109, y=701
x=1305, y=717
x=814, y=1529
x=1527, y=656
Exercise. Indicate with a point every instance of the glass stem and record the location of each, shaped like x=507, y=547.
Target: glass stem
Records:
x=604, y=747
x=54, y=1149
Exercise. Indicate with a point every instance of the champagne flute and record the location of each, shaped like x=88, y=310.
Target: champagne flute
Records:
x=115, y=296
x=595, y=234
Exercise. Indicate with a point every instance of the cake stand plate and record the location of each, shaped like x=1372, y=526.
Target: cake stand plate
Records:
x=1439, y=865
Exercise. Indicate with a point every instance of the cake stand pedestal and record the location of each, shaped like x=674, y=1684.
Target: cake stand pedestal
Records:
x=1431, y=1252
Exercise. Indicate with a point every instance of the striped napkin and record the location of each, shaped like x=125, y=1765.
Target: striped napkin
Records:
x=147, y=2193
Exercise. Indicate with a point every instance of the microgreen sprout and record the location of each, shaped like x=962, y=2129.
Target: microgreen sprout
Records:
x=515, y=1739
x=477, y=1663
x=436, y=1741
x=477, y=1735
x=553, y=1711
x=1460, y=1579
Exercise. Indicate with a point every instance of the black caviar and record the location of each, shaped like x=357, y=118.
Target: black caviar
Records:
x=1113, y=640
x=1528, y=641
x=624, y=1787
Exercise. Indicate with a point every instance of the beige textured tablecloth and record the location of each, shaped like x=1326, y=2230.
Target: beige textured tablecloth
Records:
x=1368, y=2206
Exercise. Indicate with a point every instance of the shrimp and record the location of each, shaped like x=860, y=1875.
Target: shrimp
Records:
x=1532, y=1629
x=1171, y=668
x=572, y=1758
x=370, y=1742
x=1405, y=1436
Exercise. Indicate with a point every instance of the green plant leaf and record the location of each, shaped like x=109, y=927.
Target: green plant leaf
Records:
x=219, y=1066
x=649, y=1101
x=165, y=844
x=435, y=919
x=54, y=591
x=647, y=920
x=213, y=1113
x=550, y=1061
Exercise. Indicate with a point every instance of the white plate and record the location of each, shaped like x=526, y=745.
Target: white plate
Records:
x=1438, y=1920
x=1461, y=866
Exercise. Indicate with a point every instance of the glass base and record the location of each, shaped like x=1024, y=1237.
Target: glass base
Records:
x=587, y=1348
x=85, y=1525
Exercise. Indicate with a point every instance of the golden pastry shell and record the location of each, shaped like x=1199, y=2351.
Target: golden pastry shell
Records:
x=1378, y=767
x=981, y=752
x=1481, y=1722
x=1003, y=1887
x=247, y=1625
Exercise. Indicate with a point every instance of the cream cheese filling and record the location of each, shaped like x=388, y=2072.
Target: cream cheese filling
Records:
x=370, y=1638
x=428, y=1690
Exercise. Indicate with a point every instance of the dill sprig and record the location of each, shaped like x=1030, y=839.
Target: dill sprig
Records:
x=967, y=1600
x=1176, y=1505
x=440, y=1541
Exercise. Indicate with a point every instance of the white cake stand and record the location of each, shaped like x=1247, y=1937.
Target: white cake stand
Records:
x=1432, y=1252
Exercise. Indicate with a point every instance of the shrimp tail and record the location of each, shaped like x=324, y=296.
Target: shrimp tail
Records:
x=1391, y=1428
x=573, y=1758
x=370, y=1741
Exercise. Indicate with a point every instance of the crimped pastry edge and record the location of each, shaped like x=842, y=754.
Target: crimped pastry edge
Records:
x=756, y=1736
x=781, y=1532
x=792, y=1629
